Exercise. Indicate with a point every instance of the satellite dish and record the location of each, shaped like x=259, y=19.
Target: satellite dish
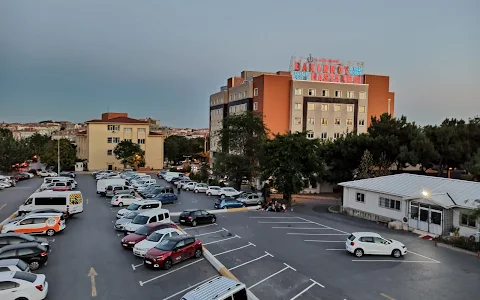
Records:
x=405, y=220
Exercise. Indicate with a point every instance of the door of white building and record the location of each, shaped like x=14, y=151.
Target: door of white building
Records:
x=426, y=217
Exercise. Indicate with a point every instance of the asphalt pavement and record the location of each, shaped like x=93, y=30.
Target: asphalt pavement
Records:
x=11, y=198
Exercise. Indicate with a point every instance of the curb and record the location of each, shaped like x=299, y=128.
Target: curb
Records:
x=221, y=269
x=456, y=249
x=217, y=211
x=331, y=210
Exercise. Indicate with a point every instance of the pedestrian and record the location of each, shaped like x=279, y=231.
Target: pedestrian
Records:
x=179, y=189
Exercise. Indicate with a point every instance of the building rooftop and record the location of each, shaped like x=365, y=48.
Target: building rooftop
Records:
x=121, y=120
x=444, y=191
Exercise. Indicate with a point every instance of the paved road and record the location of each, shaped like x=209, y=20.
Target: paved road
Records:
x=11, y=198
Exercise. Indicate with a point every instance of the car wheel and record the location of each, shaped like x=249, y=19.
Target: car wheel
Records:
x=167, y=264
x=120, y=204
x=396, y=253
x=224, y=207
x=222, y=195
x=34, y=265
x=209, y=194
x=213, y=220
x=187, y=189
x=358, y=252
x=194, y=223
x=132, y=193
x=198, y=253
x=196, y=191
x=259, y=202
x=50, y=232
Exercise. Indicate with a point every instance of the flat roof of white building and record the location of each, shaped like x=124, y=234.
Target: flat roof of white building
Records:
x=444, y=191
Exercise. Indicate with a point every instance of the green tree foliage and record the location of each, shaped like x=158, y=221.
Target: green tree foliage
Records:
x=129, y=154
x=202, y=175
x=177, y=147
x=292, y=162
x=366, y=168
x=473, y=165
x=11, y=151
x=36, y=143
x=49, y=153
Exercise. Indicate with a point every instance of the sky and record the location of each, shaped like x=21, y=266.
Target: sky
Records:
x=73, y=60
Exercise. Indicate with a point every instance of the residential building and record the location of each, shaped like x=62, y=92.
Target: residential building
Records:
x=96, y=144
x=418, y=202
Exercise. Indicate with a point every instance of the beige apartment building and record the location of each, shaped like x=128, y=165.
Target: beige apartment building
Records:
x=96, y=144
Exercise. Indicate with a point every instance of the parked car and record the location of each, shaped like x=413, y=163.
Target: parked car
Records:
x=229, y=192
x=161, y=174
x=23, y=286
x=165, y=198
x=251, y=198
x=180, y=183
x=194, y=217
x=67, y=174
x=47, y=174
x=173, y=250
x=113, y=190
x=44, y=223
x=370, y=243
x=140, y=205
x=13, y=238
x=221, y=287
x=213, y=191
x=121, y=200
x=33, y=254
x=127, y=218
x=225, y=203
x=189, y=186
x=141, y=233
x=140, y=249
x=157, y=215
x=13, y=264
x=200, y=188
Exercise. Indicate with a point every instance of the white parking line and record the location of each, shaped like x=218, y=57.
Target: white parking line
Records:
x=299, y=294
x=250, y=261
x=214, y=242
x=424, y=256
x=223, y=229
x=300, y=233
x=170, y=272
x=134, y=267
x=189, y=228
x=266, y=278
x=321, y=241
x=273, y=217
x=231, y=250
x=323, y=225
x=336, y=249
x=302, y=228
x=1, y=207
x=317, y=283
x=283, y=222
x=189, y=288
x=393, y=260
x=290, y=267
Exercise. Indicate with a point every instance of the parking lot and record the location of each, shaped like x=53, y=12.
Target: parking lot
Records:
x=277, y=255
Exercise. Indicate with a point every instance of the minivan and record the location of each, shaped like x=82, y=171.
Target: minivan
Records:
x=70, y=202
x=113, y=190
x=219, y=288
x=157, y=191
x=139, y=205
x=150, y=216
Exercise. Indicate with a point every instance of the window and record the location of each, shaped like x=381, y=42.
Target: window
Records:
x=311, y=106
x=110, y=152
x=255, y=105
x=231, y=97
x=336, y=135
x=310, y=135
x=174, y=233
x=337, y=107
x=127, y=130
x=298, y=106
x=324, y=121
x=467, y=220
x=239, y=95
x=361, y=197
x=51, y=201
x=141, y=130
x=116, y=140
x=311, y=92
x=366, y=239
x=324, y=107
x=361, y=122
x=337, y=122
x=255, y=92
x=349, y=108
x=338, y=94
x=113, y=127
x=389, y=203
x=324, y=135
x=240, y=295
x=109, y=140
x=362, y=95
x=350, y=94
x=297, y=121
x=7, y=285
x=128, y=140
x=349, y=122
x=141, y=141
x=325, y=93
x=361, y=109
x=24, y=251
x=311, y=121
x=244, y=94
x=298, y=92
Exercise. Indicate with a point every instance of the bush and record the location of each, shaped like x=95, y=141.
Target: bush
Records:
x=461, y=242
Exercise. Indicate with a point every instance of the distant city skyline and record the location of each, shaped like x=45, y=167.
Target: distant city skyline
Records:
x=74, y=61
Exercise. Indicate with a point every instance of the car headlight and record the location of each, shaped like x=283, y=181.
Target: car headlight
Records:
x=123, y=241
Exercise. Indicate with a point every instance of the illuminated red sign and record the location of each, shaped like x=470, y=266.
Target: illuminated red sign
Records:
x=327, y=70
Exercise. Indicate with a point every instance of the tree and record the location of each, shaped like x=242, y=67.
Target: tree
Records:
x=203, y=174
x=473, y=165
x=129, y=154
x=36, y=143
x=366, y=167
x=235, y=167
x=178, y=147
x=423, y=152
x=292, y=162
x=68, y=154
x=11, y=151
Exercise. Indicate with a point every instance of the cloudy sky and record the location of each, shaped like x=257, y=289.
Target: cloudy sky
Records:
x=162, y=59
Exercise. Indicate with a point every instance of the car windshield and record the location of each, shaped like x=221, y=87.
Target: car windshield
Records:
x=144, y=230
x=185, y=213
x=351, y=237
x=131, y=215
x=133, y=206
x=140, y=220
x=154, y=237
x=166, y=245
x=25, y=276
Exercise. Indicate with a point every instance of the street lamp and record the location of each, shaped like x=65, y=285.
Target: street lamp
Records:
x=58, y=154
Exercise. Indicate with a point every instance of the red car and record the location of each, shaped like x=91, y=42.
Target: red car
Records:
x=173, y=250
x=141, y=233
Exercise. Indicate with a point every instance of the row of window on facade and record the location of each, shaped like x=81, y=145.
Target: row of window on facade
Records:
x=324, y=121
x=238, y=108
x=116, y=140
x=126, y=130
x=216, y=101
x=336, y=93
x=326, y=107
x=323, y=135
x=238, y=96
x=382, y=202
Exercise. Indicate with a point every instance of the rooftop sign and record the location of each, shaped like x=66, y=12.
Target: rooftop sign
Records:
x=327, y=70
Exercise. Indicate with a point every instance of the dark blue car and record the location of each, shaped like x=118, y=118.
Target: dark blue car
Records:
x=226, y=203
x=165, y=198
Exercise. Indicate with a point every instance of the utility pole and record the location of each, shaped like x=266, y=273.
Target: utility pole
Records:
x=58, y=156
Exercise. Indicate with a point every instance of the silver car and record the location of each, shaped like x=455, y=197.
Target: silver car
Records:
x=113, y=190
x=127, y=218
x=251, y=198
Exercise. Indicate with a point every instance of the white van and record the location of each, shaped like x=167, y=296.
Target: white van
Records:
x=102, y=184
x=170, y=175
x=70, y=202
x=146, y=217
x=219, y=288
x=139, y=205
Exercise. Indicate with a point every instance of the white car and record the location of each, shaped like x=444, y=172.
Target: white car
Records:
x=228, y=192
x=213, y=190
x=141, y=205
x=5, y=184
x=370, y=243
x=47, y=174
x=201, y=188
x=154, y=239
x=190, y=186
x=123, y=199
x=23, y=285
x=181, y=183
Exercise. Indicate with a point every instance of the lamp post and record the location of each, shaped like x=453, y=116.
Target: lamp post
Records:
x=58, y=155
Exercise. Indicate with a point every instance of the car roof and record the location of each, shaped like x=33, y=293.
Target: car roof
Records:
x=366, y=233
x=19, y=246
x=39, y=215
x=7, y=275
x=180, y=237
x=144, y=201
x=163, y=230
x=155, y=224
x=154, y=211
x=192, y=209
